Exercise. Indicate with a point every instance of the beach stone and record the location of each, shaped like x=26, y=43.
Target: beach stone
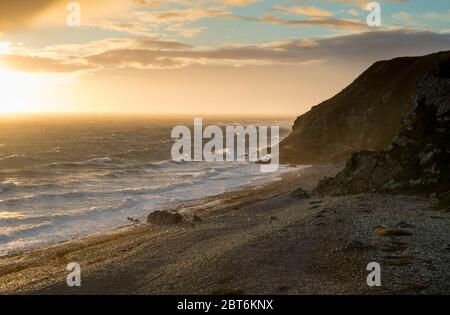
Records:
x=405, y=225
x=133, y=220
x=386, y=231
x=355, y=245
x=164, y=218
x=300, y=193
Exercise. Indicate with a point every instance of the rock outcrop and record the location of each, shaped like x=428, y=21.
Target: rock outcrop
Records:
x=364, y=116
x=418, y=160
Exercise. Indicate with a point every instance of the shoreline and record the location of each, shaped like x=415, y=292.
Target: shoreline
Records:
x=168, y=206
x=255, y=240
x=193, y=206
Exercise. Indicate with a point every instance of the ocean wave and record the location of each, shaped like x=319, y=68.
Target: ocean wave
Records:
x=6, y=186
x=128, y=203
x=56, y=150
x=16, y=160
x=80, y=194
x=133, y=152
x=162, y=164
x=117, y=174
x=98, y=161
x=44, y=197
x=9, y=186
x=94, y=161
x=14, y=156
x=7, y=232
x=20, y=222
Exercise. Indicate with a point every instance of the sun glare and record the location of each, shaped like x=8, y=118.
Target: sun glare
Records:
x=17, y=89
x=23, y=92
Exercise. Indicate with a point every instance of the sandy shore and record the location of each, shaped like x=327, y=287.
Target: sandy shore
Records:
x=259, y=240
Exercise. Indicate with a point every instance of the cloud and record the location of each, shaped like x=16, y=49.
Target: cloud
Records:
x=132, y=27
x=150, y=3
x=40, y=64
x=364, y=47
x=355, y=3
x=153, y=53
x=196, y=3
x=324, y=22
x=178, y=20
x=100, y=46
x=181, y=15
x=353, y=12
x=403, y=17
x=240, y=3
x=185, y=31
x=72, y=57
x=307, y=11
x=436, y=16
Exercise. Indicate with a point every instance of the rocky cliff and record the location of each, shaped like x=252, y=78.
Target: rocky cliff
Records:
x=418, y=158
x=364, y=116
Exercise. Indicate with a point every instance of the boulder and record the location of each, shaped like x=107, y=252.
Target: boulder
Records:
x=300, y=193
x=164, y=218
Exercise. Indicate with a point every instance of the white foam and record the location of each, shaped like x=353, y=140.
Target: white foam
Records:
x=99, y=161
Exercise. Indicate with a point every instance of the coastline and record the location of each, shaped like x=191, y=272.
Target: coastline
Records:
x=255, y=240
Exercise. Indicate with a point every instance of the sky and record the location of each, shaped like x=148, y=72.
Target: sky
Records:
x=201, y=57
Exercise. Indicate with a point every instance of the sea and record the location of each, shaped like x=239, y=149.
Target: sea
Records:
x=65, y=176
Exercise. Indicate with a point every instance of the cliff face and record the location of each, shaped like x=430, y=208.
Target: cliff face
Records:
x=418, y=158
x=364, y=116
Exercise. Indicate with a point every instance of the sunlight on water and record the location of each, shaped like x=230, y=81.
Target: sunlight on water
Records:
x=61, y=177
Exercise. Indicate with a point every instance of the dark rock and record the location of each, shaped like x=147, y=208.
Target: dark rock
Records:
x=264, y=162
x=418, y=160
x=300, y=193
x=355, y=245
x=405, y=225
x=394, y=246
x=397, y=261
x=283, y=288
x=164, y=218
x=386, y=231
x=196, y=218
x=228, y=291
x=133, y=220
x=320, y=214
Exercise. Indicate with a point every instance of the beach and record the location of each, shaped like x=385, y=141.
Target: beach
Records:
x=265, y=239
x=260, y=148
x=69, y=178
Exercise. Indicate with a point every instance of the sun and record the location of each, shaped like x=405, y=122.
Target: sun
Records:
x=18, y=91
